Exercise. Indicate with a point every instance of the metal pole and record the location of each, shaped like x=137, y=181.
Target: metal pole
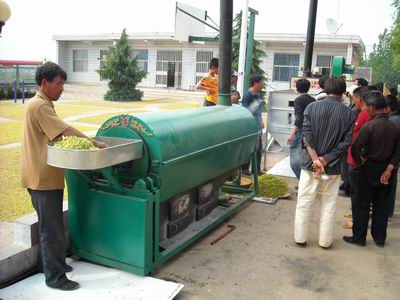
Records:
x=243, y=44
x=15, y=91
x=23, y=91
x=225, y=52
x=250, y=46
x=312, y=17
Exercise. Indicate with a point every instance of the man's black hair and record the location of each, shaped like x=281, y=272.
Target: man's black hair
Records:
x=49, y=71
x=360, y=92
x=362, y=82
x=214, y=62
x=303, y=85
x=391, y=101
x=372, y=88
x=255, y=78
x=379, y=86
x=375, y=99
x=393, y=91
x=335, y=86
x=236, y=92
x=322, y=81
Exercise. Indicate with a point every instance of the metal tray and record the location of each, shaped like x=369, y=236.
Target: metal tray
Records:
x=118, y=151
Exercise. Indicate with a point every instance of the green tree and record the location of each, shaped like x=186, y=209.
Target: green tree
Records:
x=395, y=35
x=258, y=53
x=381, y=59
x=122, y=72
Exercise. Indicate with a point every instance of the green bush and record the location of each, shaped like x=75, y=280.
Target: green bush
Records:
x=7, y=93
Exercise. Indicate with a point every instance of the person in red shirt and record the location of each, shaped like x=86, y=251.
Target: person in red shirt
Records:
x=363, y=117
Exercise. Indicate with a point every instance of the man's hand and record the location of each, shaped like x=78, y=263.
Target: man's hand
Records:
x=324, y=162
x=99, y=144
x=386, y=174
x=290, y=138
x=318, y=166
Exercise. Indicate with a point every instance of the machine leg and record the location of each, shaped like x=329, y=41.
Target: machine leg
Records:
x=255, y=173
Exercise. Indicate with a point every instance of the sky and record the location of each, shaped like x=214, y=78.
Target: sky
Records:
x=28, y=34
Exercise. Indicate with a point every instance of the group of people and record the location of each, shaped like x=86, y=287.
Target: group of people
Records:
x=344, y=134
x=252, y=100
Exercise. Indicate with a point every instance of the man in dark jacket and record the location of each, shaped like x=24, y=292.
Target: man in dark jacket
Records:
x=377, y=151
x=295, y=135
x=252, y=100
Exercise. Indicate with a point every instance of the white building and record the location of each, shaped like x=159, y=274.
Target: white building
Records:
x=184, y=63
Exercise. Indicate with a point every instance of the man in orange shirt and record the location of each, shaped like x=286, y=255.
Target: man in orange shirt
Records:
x=209, y=83
x=45, y=184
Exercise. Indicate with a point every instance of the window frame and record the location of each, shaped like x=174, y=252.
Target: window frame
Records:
x=285, y=66
x=84, y=62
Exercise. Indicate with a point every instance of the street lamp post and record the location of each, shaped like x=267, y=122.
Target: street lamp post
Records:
x=5, y=13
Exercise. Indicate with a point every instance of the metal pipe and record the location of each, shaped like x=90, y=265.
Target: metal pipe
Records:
x=312, y=17
x=225, y=53
x=243, y=44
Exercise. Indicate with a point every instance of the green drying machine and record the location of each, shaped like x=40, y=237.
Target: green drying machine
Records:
x=157, y=187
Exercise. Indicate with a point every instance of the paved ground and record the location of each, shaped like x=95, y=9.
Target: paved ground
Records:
x=260, y=261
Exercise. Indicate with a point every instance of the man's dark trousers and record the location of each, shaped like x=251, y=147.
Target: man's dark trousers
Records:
x=52, y=250
x=370, y=190
x=259, y=147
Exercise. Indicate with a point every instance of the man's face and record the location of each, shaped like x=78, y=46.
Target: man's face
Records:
x=53, y=89
x=258, y=86
x=214, y=70
x=357, y=101
x=234, y=98
x=234, y=80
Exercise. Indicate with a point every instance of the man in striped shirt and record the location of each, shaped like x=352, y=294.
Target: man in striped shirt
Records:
x=327, y=132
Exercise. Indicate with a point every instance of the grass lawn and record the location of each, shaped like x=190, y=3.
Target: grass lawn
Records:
x=99, y=120
x=10, y=132
x=14, y=200
x=115, y=104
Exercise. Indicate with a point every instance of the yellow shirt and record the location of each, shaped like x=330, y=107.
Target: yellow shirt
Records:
x=41, y=125
x=211, y=82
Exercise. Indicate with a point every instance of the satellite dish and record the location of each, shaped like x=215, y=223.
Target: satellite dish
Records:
x=332, y=26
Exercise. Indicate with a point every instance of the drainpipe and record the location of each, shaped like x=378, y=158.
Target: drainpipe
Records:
x=225, y=53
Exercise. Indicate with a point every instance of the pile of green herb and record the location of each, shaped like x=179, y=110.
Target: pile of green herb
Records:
x=271, y=187
x=76, y=143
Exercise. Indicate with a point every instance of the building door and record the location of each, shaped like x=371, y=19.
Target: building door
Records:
x=171, y=74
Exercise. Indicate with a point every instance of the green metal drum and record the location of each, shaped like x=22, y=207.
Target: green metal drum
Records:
x=137, y=214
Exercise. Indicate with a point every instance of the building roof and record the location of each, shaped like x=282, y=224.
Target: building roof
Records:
x=19, y=62
x=266, y=37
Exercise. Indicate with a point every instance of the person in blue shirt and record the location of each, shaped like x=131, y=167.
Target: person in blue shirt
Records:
x=252, y=100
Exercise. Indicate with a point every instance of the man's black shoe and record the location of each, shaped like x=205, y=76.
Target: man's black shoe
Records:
x=260, y=172
x=68, y=285
x=68, y=269
x=380, y=244
x=349, y=239
x=246, y=172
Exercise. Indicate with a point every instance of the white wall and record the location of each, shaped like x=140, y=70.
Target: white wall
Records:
x=64, y=56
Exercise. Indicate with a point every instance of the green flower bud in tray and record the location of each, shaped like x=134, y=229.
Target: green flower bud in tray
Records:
x=75, y=143
x=271, y=187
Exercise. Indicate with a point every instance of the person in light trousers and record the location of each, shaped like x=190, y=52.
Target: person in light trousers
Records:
x=327, y=129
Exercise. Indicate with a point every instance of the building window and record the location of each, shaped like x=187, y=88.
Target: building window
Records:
x=324, y=63
x=286, y=65
x=202, y=63
x=80, y=60
x=142, y=56
x=169, y=68
x=104, y=54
